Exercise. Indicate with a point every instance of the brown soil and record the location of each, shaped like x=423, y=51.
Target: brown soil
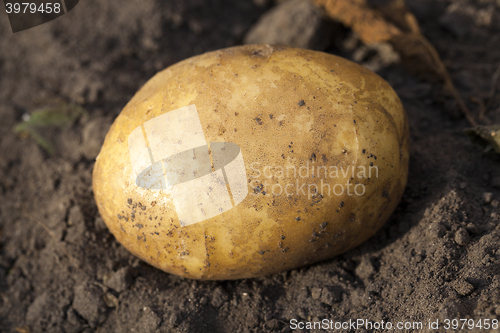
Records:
x=61, y=270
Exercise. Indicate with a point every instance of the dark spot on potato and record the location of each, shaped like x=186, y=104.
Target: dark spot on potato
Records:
x=258, y=189
x=129, y=201
x=271, y=116
x=385, y=194
x=317, y=197
x=236, y=113
x=297, y=218
x=323, y=225
x=258, y=120
x=313, y=157
x=262, y=252
x=139, y=226
x=363, y=151
x=341, y=204
x=371, y=163
x=301, y=103
x=263, y=52
x=354, y=120
x=282, y=237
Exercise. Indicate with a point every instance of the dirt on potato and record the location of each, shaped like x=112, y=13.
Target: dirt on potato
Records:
x=61, y=270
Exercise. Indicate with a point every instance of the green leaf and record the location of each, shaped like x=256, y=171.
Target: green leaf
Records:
x=57, y=116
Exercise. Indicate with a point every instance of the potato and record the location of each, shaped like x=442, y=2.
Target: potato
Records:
x=252, y=160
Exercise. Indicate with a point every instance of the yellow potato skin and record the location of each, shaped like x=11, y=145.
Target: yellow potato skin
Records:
x=251, y=96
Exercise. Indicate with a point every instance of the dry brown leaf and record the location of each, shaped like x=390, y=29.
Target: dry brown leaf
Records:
x=395, y=24
x=368, y=24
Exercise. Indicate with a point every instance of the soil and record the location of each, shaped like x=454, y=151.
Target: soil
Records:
x=437, y=258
